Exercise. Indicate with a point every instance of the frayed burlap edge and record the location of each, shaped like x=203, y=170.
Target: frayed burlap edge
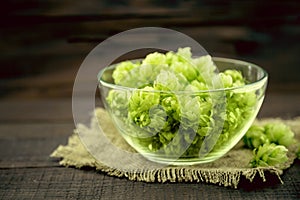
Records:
x=74, y=154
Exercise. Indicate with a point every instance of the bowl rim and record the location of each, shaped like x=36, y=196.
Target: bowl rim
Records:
x=253, y=85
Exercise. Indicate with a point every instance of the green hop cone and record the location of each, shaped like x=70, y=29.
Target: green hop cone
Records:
x=172, y=96
x=279, y=133
x=269, y=155
x=118, y=102
x=255, y=137
x=122, y=72
x=140, y=104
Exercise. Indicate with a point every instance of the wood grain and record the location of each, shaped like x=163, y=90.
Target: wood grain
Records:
x=43, y=45
x=284, y=105
x=26, y=171
x=68, y=183
x=29, y=145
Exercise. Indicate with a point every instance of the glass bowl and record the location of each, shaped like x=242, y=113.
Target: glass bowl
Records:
x=217, y=124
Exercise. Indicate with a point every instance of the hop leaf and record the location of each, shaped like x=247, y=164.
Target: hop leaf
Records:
x=269, y=155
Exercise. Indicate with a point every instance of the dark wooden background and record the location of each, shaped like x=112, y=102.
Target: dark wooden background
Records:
x=43, y=43
x=39, y=37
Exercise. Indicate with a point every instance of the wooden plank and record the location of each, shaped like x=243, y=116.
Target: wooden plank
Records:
x=285, y=105
x=26, y=172
x=35, y=131
x=281, y=105
x=207, y=12
x=50, y=49
x=37, y=111
x=65, y=183
x=29, y=145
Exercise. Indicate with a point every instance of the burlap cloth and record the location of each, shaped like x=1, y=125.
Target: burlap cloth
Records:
x=226, y=171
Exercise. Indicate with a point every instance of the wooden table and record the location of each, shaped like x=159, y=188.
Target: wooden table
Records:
x=31, y=129
x=49, y=43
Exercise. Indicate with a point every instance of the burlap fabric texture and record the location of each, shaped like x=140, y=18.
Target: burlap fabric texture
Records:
x=226, y=171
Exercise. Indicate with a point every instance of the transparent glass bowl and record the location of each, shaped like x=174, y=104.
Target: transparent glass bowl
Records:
x=224, y=116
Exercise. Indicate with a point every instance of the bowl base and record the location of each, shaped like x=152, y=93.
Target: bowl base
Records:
x=184, y=161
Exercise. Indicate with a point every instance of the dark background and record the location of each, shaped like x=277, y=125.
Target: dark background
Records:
x=43, y=42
